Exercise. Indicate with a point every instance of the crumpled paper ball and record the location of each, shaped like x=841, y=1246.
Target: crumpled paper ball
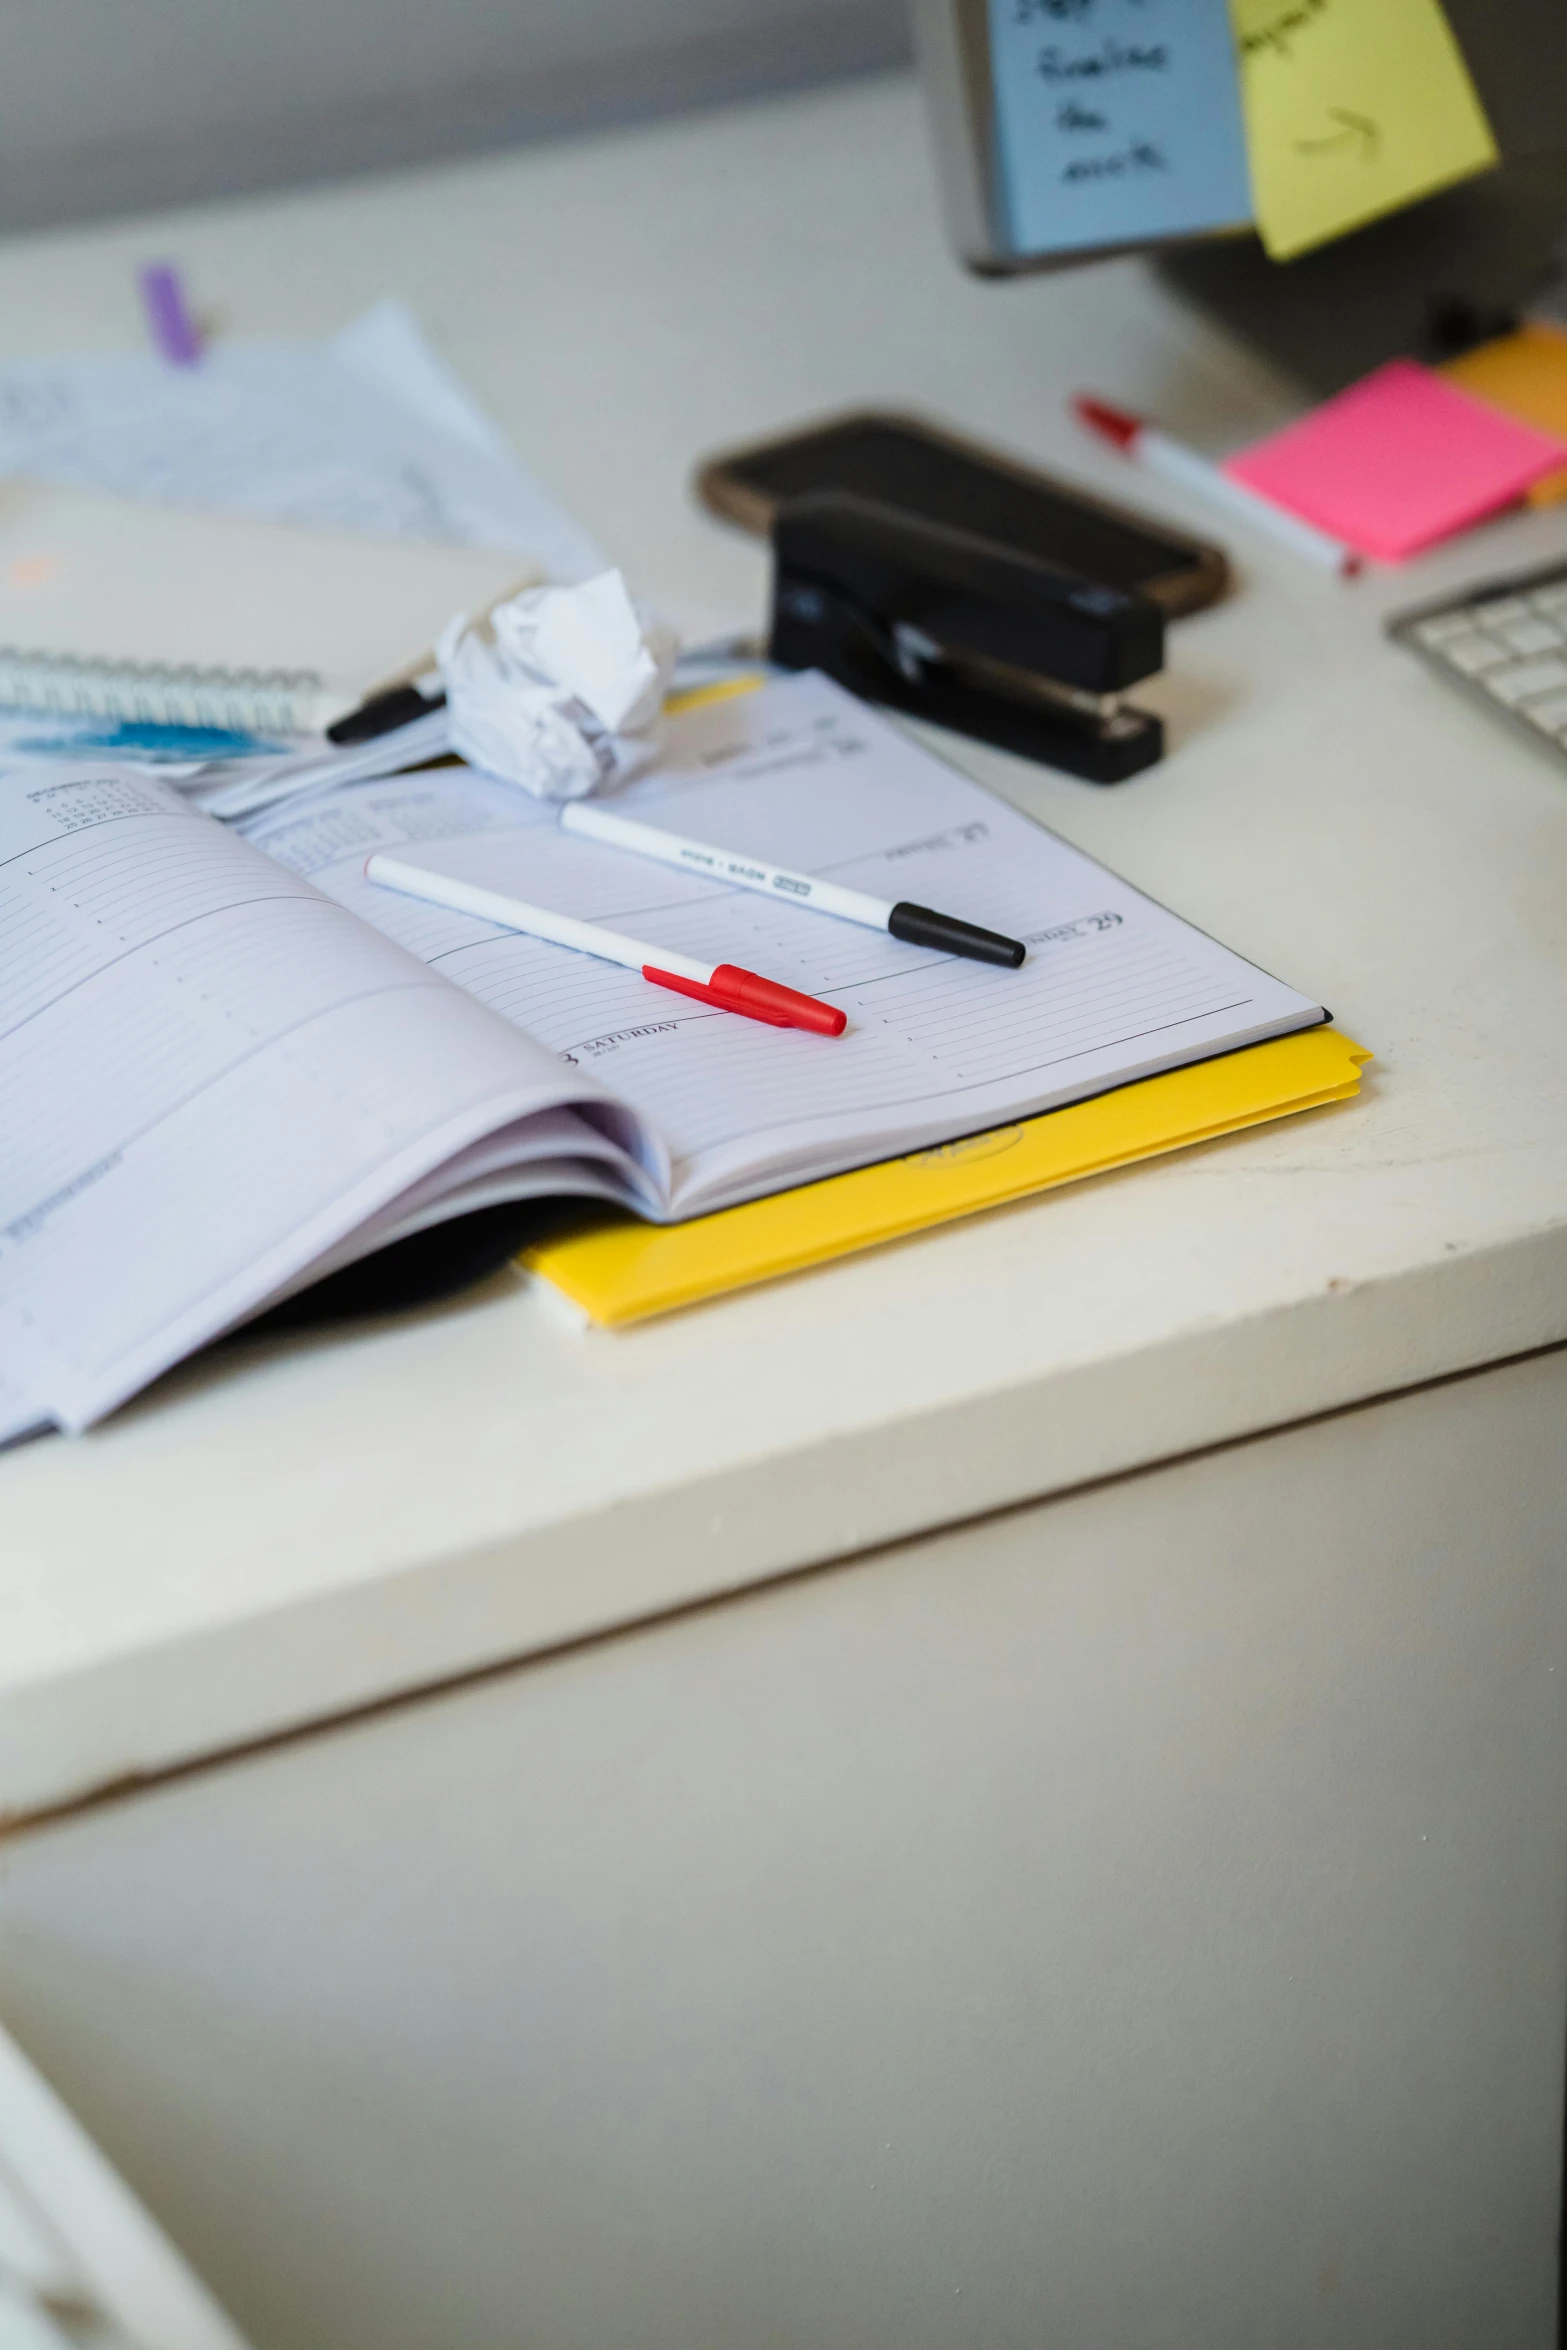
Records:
x=560, y=690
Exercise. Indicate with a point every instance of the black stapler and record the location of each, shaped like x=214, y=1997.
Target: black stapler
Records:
x=972, y=635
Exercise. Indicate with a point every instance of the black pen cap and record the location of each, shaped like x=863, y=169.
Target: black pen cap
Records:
x=922, y=928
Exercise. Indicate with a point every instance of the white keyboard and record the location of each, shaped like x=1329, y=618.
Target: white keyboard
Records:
x=1503, y=644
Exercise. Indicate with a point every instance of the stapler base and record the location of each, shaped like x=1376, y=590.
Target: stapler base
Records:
x=1106, y=751
x=1099, y=749
x=969, y=634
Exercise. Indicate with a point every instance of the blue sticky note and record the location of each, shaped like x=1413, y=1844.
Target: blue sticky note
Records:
x=1116, y=121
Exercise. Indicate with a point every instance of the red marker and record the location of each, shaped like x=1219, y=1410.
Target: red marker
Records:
x=724, y=985
x=1147, y=445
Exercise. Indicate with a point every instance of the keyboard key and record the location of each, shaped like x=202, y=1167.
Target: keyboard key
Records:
x=1550, y=712
x=1533, y=636
x=1474, y=652
x=1514, y=643
x=1445, y=626
x=1520, y=681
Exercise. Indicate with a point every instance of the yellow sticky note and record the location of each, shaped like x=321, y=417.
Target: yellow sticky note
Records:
x=1353, y=107
x=1525, y=373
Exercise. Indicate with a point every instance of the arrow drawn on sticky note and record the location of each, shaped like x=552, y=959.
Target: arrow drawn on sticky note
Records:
x=1358, y=129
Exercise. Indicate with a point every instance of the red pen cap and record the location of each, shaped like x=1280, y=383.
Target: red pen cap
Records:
x=734, y=990
x=1112, y=424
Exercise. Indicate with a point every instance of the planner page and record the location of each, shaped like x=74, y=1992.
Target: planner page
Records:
x=210, y=1079
x=801, y=774
x=19, y=1415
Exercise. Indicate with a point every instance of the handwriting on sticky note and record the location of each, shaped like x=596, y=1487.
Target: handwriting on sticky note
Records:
x=1353, y=108
x=1117, y=121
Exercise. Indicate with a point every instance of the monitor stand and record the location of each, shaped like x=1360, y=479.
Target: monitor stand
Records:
x=1427, y=283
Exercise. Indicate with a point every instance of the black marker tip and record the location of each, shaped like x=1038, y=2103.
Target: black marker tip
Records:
x=400, y=705
x=919, y=927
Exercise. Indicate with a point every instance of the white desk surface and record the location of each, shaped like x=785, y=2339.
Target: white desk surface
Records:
x=294, y=1529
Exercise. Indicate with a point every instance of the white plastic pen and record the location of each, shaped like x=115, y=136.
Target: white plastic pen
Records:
x=917, y=925
x=727, y=985
x=1147, y=445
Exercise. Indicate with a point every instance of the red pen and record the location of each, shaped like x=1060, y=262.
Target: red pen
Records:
x=1147, y=445
x=727, y=986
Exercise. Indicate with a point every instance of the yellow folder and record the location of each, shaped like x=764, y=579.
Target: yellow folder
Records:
x=619, y=1270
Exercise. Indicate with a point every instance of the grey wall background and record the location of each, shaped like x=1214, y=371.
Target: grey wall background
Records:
x=120, y=105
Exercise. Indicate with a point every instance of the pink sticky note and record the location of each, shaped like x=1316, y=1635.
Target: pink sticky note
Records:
x=1400, y=459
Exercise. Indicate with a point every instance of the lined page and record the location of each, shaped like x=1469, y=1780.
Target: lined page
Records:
x=209, y=1077
x=1114, y=988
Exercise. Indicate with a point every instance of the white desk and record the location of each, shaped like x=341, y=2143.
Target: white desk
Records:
x=289, y=1532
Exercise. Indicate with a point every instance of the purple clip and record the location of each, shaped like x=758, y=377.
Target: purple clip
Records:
x=170, y=324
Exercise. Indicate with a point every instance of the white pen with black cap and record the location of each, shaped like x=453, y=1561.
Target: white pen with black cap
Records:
x=918, y=926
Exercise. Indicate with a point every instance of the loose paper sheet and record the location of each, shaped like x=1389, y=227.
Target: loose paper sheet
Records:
x=560, y=690
x=1118, y=120
x=1353, y=107
x=369, y=433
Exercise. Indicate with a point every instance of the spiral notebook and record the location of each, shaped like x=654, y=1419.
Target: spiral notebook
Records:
x=112, y=608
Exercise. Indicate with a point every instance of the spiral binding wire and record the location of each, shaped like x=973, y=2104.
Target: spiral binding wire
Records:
x=236, y=700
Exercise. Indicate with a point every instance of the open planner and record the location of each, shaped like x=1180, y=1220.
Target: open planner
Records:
x=229, y=1064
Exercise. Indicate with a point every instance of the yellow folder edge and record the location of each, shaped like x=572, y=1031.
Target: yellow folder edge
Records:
x=620, y=1270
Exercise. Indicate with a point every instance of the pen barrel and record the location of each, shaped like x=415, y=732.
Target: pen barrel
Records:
x=731, y=867
x=1179, y=464
x=831, y=897
x=561, y=930
x=921, y=926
